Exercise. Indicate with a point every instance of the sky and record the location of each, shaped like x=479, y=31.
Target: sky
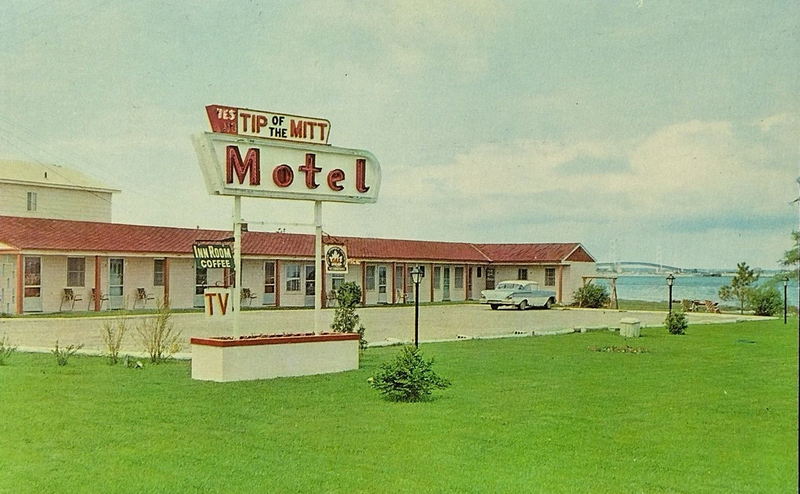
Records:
x=648, y=131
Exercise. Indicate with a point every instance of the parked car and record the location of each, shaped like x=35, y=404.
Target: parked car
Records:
x=519, y=293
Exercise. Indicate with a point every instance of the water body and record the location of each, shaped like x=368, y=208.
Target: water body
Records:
x=653, y=288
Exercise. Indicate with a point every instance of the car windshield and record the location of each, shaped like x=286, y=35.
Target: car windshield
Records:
x=509, y=286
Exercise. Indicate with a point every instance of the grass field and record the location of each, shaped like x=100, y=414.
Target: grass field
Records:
x=711, y=411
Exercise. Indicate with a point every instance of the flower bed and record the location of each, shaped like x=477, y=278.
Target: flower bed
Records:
x=266, y=356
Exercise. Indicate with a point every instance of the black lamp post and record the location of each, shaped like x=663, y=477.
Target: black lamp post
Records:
x=670, y=281
x=416, y=277
x=785, y=298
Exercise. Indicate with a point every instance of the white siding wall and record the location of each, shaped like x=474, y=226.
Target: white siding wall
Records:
x=68, y=204
x=8, y=284
x=253, y=278
x=54, y=280
x=181, y=282
x=573, y=280
x=139, y=274
x=478, y=284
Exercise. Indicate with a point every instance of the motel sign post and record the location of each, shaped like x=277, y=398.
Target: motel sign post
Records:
x=280, y=156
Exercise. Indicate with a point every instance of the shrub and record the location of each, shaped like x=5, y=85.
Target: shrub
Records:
x=345, y=319
x=158, y=335
x=112, y=333
x=676, y=323
x=593, y=296
x=409, y=377
x=765, y=300
x=63, y=354
x=5, y=350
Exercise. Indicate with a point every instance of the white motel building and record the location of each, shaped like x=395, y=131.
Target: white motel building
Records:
x=59, y=251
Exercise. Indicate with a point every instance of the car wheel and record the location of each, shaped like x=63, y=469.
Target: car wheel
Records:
x=494, y=306
x=523, y=305
x=549, y=303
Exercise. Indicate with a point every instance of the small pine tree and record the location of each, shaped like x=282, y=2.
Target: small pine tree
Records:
x=409, y=377
x=740, y=287
x=676, y=323
x=345, y=319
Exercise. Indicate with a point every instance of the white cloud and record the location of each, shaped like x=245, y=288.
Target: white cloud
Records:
x=694, y=177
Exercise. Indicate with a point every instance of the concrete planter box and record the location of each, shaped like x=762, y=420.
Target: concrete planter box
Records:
x=629, y=327
x=265, y=357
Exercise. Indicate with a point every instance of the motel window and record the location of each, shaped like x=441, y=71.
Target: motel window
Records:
x=76, y=271
x=370, y=278
x=458, y=282
x=437, y=277
x=480, y=272
x=292, y=277
x=550, y=276
x=337, y=280
x=31, y=201
x=200, y=281
x=158, y=272
x=269, y=277
x=522, y=274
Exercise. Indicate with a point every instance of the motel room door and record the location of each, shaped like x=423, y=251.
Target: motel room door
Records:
x=446, y=284
x=382, y=297
x=490, y=278
x=116, y=283
x=32, y=301
x=309, y=285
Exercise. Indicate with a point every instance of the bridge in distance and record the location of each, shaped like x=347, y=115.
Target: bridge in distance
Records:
x=642, y=266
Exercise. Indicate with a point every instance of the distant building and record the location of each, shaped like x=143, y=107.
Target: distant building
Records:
x=66, y=255
x=38, y=190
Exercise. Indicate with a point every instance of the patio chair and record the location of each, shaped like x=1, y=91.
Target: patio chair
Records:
x=248, y=296
x=94, y=296
x=141, y=296
x=69, y=297
x=687, y=305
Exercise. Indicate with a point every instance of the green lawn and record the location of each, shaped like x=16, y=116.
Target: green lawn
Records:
x=712, y=411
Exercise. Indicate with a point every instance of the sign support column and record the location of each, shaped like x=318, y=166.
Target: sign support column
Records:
x=237, y=262
x=318, y=268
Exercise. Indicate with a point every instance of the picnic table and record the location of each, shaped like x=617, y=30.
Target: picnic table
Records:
x=698, y=305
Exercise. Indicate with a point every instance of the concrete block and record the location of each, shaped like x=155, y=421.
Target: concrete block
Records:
x=552, y=332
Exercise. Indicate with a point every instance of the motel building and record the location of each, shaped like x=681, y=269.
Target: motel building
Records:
x=59, y=251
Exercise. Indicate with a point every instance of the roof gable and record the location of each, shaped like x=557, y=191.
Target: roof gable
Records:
x=536, y=253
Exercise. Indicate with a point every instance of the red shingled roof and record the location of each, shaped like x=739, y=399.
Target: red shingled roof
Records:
x=22, y=234
x=528, y=252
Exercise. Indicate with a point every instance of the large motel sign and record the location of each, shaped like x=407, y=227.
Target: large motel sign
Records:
x=253, y=153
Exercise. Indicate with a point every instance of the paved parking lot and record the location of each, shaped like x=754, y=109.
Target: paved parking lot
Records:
x=384, y=325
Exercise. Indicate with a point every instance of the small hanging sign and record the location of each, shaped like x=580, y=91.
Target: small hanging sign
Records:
x=336, y=259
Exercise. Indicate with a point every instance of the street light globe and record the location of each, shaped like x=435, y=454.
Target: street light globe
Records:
x=416, y=275
x=670, y=279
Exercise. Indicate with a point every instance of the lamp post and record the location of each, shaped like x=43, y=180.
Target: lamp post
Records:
x=416, y=275
x=785, y=297
x=670, y=281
